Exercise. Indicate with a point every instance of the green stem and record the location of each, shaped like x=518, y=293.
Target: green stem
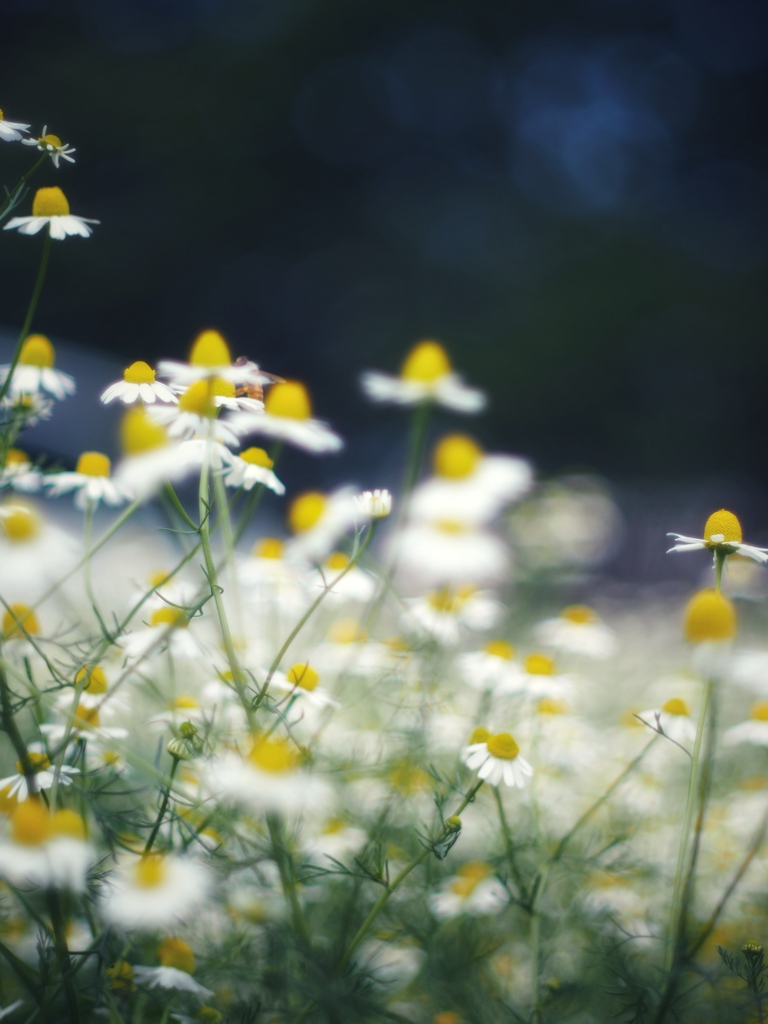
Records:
x=287, y=879
x=62, y=955
x=12, y=731
x=10, y=199
x=30, y=313
x=719, y=563
x=163, y=806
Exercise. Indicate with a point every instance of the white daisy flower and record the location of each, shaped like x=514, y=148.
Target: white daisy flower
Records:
x=318, y=521
x=34, y=371
x=754, y=730
x=538, y=677
x=86, y=725
x=579, y=631
x=151, y=458
x=17, y=786
x=139, y=384
x=288, y=417
x=250, y=467
x=46, y=849
x=356, y=585
x=497, y=759
x=426, y=376
x=673, y=718
x=195, y=416
x=490, y=668
x=26, y=409
x=91, y=481
x=448, y=552
x=374, y=504
x=472, y=890
x=722, y=532
x=10, y=131
x=154, y=892
x=168, y=630
x=19, y=473
x=443, y=613
x=177, y=965
x=53, y=146
x=469, y=487
x=50, y=207
x=210, y=357
x=302, y=681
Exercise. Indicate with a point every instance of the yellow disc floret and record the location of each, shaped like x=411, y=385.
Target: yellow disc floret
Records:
x=139, y=373
x=19, y=620
x=273, y=754
x=268, y=547
x=93, y=464
x=580, y=614
x=347, y=631
x=68, y=823
x=16, y=457
x=551, y=706
x=724, y=525
x=289, y=399
x=31, y=824
x=150, y=872
x=139, y=433
x=539, y=665
x=479, y=735
x=221, y=388
x=168, y=616
x=759, y=712
x=198, y=399
x=37, y=350
x=210, y=350
x=95, y=679
x=502, y=746
x=50, y=202
x=709, y=616
x=306, y=511
x=337, y=561
x=37, y=762
x=500, y=649
x=456, y=457
x=676, y=706
x=50, y=140
x=304, y=676
x=176, y=953
x=426, y=363
x=20, y=523
x=256, y=457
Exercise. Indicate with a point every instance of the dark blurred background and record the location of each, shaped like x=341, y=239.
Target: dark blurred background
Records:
x=572, y=196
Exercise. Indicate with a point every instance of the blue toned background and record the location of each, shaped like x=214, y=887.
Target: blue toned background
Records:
x=572, y=196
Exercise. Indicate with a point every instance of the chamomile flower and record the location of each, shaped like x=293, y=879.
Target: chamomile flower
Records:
x=536, y=677
x=374, y=504
x=447, y=552
x=288, y=417
x=318, y=521
x=426, y=376
x=177, y=965
x=210, y=357
x=673, y=718
x=754, y=730
x=53, y=146
x=46, y=849
x=443, y=613
x=302, y=681
x=722, y=533
x=19, y=472
x=490, y=668
x=50, y=207
x=44, y=774
x=26, y=409
x=35, y=371
x=354, y=585
x=496, y=758
x=579, y=631
x=473, y=890
x=152, y=459
x=91, y=481
x=250, y=467
x=154, y=892
x=11, y=131
x=167, y=630
x=139, y=384
x=195, y=416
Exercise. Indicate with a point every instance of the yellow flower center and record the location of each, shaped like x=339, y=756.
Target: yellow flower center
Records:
x=19, y=620
x=209, y=350
x=21, y=524
x=539, y=665
x=479, y=735
x=709, y=616
x=502, y=746
x=306, y=511
x=221, y=388
x=86, y=718
x=96, y=680
x=176, y=953
x=185, y=703
x=37, y=762
x=303, y=676
x=268, y=547
x=347, y=631
x=759, y=711
x=500, y=649
x=256, y=457
x=50, y=202
x=290, y=399
x=139, y=373
x=16, y=457
x=676, y=706
x=150, y=872
x=31, y=824
x=469, y=876
x=167, y=616
x=273, y=754
x=37, y=350
x=450, y=526
x=723, y=523
x=337, y=561
x=50, y=140
x=581, y=614
x=550, y=706
x=8, y=803
x=2, y=115
x=426, y=363
x=93, y=464
x=456, y=457
x=407, y=778
x=198, y=399
x=68, y=823
x=139, y=433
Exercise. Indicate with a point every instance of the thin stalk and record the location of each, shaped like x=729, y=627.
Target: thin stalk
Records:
x=12, y=731
x=10, y=199
x=163, y=807
x=62, y=955
x=30, y=312
x=287, y=879
x=720, y=558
